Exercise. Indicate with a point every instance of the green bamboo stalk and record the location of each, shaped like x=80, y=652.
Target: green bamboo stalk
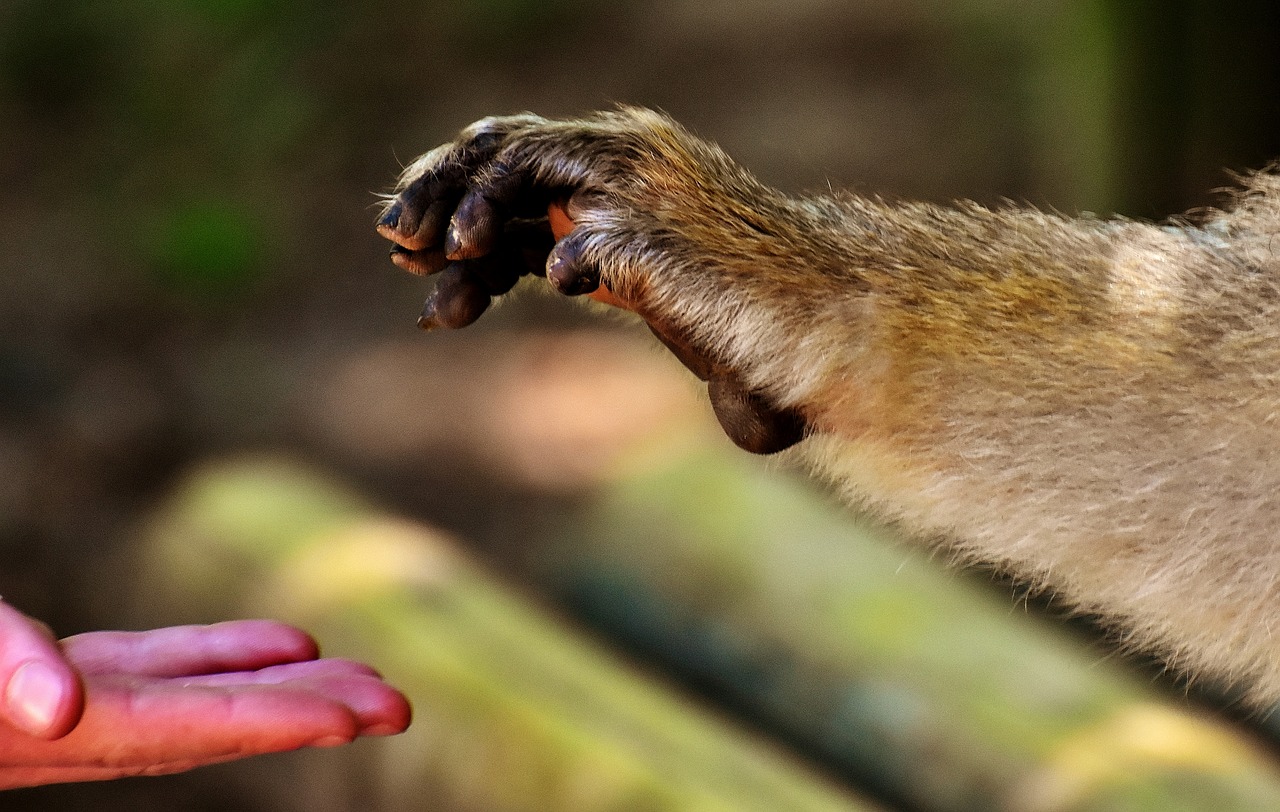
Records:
x=908, y=678
x=515, y=710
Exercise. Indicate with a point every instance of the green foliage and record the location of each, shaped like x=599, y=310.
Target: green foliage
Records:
x=211, y=249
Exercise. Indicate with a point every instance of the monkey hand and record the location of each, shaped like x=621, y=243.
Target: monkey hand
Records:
x=625, y=207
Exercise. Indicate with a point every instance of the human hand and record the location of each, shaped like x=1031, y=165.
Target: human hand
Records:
x=106, y=705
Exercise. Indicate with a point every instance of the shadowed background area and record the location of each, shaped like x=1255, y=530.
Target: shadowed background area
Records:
x=214, y=403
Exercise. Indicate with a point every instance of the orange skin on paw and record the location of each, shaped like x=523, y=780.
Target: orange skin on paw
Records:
x=562, y=225
x=559, y=220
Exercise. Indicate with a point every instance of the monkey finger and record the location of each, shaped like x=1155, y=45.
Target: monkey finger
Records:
x=499, y=192
x=568, y=269
x=500, y=271
x=521, y=250
x=562, y=225
x=749, y=421
x=474, y=229
x=389, y=221
x=423, y=263
x=529, y=242
x=420, y=213
x=459, y=299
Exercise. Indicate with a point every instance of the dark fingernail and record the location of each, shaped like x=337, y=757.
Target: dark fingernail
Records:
x=429, y=319
x=452, y=242
x=568, y=278
x=391, y=218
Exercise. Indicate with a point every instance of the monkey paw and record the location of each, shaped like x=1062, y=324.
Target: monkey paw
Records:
x=643, y=216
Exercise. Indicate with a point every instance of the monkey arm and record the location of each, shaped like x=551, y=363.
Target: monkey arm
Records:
x=1090, y=404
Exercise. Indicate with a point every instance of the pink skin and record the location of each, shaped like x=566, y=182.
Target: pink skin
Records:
x=105, y=705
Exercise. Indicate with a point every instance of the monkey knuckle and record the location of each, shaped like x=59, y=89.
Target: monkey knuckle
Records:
x=488, y=127
x=492, y=130
x=423, y=167
x=474, y=146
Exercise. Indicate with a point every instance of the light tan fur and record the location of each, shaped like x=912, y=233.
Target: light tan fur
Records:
x=1091, y=404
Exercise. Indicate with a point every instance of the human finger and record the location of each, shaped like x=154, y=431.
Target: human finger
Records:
x=41, y=692
x=131, y=725
x=238, y=645
x=380, y=708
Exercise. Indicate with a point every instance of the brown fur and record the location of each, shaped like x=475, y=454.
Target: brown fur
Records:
x=1090, y=404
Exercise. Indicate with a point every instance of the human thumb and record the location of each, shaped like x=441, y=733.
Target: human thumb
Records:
x=40, y=693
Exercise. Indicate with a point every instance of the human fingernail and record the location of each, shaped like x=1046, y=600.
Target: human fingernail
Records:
x=33, y=697
x=382, y=730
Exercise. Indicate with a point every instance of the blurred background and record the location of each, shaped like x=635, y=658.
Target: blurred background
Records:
x=214, y=402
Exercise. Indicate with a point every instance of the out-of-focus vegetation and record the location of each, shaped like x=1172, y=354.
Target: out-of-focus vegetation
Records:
x=188, y=270
x=846, y=647
x=514, y=711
